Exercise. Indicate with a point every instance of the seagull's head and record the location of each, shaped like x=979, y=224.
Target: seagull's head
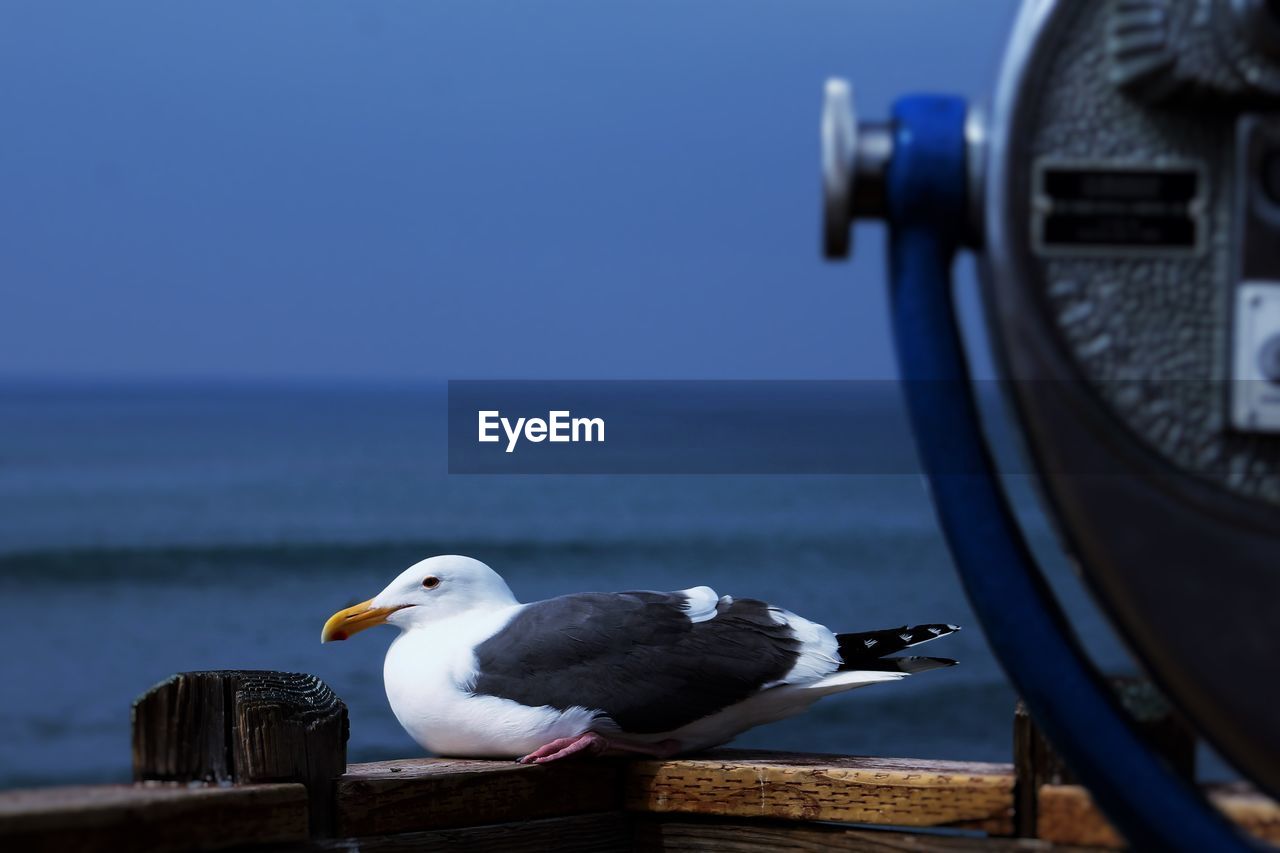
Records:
x=431, y=590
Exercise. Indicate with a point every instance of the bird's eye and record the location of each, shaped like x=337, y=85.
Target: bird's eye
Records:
x=431, y=581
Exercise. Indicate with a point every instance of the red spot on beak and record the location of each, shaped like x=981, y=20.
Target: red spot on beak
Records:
x=338, y=636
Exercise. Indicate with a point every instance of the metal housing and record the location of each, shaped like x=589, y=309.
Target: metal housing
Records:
x=1118, y=362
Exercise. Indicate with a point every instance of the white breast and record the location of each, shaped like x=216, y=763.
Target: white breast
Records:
x=428, y=674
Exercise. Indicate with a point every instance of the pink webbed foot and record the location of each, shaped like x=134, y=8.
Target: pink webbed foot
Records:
x=587, y=742
x=593, y=743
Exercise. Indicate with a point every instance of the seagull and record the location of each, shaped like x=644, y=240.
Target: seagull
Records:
x=474, y=673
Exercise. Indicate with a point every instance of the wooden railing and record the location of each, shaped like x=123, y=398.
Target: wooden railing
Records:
x=234, y=760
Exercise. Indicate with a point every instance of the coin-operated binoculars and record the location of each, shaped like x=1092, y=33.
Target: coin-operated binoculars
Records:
x=1123, y=194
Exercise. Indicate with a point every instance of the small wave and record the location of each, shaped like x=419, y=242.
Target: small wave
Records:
x=229, y=559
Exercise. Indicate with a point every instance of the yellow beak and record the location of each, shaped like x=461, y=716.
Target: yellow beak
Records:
x=353, y=620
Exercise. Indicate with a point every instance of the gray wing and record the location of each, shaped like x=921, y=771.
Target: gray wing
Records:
x=636, y=657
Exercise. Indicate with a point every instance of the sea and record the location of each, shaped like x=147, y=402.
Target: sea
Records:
x=147, y=529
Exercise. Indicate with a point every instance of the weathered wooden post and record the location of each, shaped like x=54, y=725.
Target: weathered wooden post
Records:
x=234, y=726
x=1036, y=763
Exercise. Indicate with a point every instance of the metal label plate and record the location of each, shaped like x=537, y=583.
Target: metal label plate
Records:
x=1117, y=209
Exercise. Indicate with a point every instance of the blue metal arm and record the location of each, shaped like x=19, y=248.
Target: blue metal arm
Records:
x=1023, y=623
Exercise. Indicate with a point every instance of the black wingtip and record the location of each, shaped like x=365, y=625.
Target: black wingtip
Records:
x=914, y=665
x=858, y=650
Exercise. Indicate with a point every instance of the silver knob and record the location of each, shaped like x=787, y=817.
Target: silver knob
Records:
x=854, y=160
x=839, y=167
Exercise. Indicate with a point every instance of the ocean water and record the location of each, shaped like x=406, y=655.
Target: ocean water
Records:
x=150, y=530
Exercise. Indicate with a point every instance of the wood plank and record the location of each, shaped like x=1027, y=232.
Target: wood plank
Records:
x=1067, y=815
x=435, y=793
x=607, y=832
x=152, y=816
x=899, y=792
x=674, y=835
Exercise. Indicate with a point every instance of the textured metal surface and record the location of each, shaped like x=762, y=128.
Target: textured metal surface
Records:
x=1152, y=334
x=1121, y=368
x=1213, y=50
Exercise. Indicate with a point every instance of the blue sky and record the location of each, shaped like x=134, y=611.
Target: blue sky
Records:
x=406, y=190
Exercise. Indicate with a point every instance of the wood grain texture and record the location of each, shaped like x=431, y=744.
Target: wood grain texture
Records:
x=152, y=816
x=608, y=832
x=719, y=836
x=436, y=793
x=243, y=727
x=1067, y=815
x=733, y=783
